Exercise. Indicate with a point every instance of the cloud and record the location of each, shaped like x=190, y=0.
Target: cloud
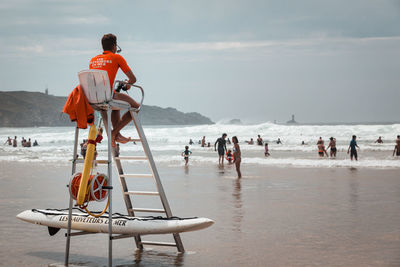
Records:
x=238, y=46
x=38, y=49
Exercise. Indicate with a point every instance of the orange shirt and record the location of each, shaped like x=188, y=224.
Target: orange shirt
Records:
x=109, y=62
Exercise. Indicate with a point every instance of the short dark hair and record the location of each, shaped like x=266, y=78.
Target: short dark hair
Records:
x=224, y=134
x=108, y=41
x=354, y=136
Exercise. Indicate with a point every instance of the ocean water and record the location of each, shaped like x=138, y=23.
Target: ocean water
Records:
x=167, y=143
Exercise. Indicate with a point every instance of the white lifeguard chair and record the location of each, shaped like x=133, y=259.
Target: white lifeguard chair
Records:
x=96, y=87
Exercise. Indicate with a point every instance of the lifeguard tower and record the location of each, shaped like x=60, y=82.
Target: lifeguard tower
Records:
x=96, y=87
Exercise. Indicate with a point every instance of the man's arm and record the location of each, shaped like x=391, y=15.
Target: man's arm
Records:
x=131, y=77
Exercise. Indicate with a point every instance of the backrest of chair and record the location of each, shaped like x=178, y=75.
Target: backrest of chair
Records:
x=95, y=85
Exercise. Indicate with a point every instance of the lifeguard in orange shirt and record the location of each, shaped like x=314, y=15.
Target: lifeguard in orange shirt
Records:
x=111, y=62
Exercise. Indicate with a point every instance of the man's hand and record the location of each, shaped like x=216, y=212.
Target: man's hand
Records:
x=132, y=79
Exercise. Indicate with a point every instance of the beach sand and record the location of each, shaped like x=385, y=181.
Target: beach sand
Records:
x=271, y=217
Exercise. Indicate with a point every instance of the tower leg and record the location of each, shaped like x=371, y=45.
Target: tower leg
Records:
x=109, y=150
x=66, y=262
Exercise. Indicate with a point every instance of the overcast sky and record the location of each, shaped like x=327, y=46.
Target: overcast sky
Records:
x=254, y=60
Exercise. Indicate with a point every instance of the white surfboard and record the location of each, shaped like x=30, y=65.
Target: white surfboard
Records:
x=121, y=224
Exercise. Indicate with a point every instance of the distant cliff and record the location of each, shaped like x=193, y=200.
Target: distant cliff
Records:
x=28, y=109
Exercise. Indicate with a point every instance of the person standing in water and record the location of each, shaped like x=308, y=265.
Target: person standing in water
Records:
x=203, y=141
x=266, y=151
x=186, y=154
x=15, y=141
x=221, y=148
x=8, y=141
x=397, y=147
x=379, y=140
x=332, y=145
x=352, y=148
x=237, y=155
x=259, y=141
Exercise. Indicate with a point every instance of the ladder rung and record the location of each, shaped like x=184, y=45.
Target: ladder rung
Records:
x=155, y=243
x=99, y=161
x=147, y=210
x=136, y=175
x=132, y=158
x=144, y=193
x=102, y=161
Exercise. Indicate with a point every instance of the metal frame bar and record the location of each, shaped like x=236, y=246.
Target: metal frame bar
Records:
x=156, y=176
x=110, y=184
x=74, y=158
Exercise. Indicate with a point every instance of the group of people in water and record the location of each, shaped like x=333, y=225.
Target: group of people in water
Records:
x=233, y=156
x=352, y=149
x=24, y=142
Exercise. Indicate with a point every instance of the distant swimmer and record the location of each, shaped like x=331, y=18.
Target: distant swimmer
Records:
x=23, y=141
x=35, y=143
x=302, y=143
x=397, y=147
x=221, y=148
x=237, y=155
x=116, y=151
x=228, y=141
x=321, y=148
x=279, y=142
x=251, y=142
x=191, y=142
x=266, y=151
x=84, y=145
x=379, y=140
x=320, y=141
x=186, y=154
x=352, y=148
x=203, y=141
x=332, y=145
x=28, y=143
x=259, y=141
x=8, y=141
x=15, y=142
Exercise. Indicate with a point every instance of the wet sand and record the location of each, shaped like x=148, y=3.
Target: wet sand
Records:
x=271, y=217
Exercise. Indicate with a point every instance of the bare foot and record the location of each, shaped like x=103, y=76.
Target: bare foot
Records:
x=122, y=139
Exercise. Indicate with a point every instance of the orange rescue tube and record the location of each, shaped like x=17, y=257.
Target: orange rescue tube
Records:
x=87, y=165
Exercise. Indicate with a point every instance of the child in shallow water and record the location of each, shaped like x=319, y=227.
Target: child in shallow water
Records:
x=186, y=154
x=266, y=152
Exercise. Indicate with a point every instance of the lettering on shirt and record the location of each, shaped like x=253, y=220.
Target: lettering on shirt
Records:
x=99, y=62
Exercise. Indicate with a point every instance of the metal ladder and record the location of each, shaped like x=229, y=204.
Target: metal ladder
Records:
x=131, y=209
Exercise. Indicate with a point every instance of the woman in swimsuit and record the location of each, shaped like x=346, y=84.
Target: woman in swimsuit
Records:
x=332, y=145
x=237, y=155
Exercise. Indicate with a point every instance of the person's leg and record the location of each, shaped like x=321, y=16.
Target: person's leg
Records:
x=126, y=118
x=115, y=118
x=126, y=98
x=237, y=162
